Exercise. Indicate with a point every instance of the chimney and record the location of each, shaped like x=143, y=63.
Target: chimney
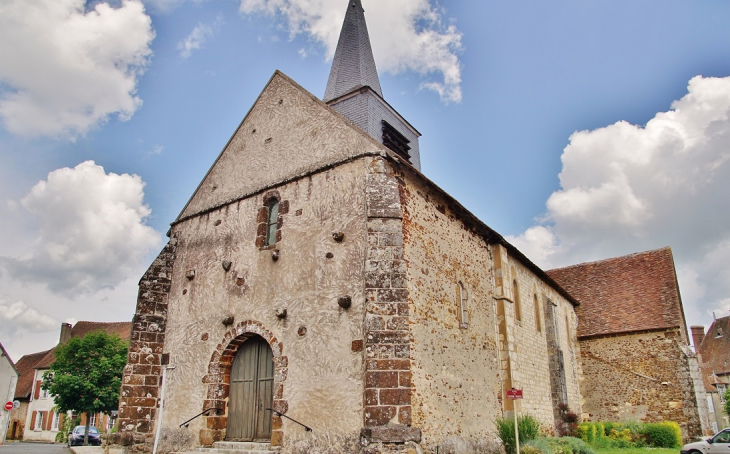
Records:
x=698, y=333
x=65, y=333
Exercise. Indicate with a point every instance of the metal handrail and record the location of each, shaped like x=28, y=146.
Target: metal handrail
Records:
x=187, y=423
x=306, y=428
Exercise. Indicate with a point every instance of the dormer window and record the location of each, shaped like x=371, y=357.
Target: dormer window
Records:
x=719, y=332
x=396, y=141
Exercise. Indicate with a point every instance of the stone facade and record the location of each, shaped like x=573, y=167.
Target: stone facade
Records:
x=641, y=377
x=462, y=365
x=356, y=298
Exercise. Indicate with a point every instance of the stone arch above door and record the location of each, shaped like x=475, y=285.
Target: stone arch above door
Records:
x=219, y=376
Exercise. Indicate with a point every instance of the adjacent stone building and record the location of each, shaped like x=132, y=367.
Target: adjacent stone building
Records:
x=635, y=354
x=714, y=352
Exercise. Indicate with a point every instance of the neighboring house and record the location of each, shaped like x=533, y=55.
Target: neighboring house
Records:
x=714, y=352
x=23, y=392
x=8, y=382
x=637, y=363
x=36, y=420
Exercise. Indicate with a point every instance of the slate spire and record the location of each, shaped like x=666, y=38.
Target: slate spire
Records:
x=353, y=65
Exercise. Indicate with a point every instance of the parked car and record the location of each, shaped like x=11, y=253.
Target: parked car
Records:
x=76, y=437
x=716, y=444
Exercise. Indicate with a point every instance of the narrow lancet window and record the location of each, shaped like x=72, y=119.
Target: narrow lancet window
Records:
x=538, y=322
x=518, y=309
x=461, y=298
x=272, y=222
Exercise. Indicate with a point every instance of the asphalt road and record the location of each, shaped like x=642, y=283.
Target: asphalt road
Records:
x=32, y=448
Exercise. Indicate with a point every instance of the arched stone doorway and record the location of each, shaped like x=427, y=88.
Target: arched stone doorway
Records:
x=219, y=382
x=251, y=392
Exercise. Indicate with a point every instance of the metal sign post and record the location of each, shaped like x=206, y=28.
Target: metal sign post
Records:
x=514, y=394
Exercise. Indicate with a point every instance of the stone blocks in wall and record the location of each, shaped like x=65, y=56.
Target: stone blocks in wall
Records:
x=388, y=389
x=142, y=376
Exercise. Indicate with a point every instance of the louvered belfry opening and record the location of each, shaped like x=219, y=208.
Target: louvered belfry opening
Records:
x=396, y=141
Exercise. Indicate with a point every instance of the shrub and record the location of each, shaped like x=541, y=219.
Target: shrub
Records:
x=529, y=429
x=530, y=449
x=665, y=434
x=574, y=445
x=568, y=421
x=541, y=443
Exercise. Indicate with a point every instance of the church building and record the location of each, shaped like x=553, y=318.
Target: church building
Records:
x=318, y=291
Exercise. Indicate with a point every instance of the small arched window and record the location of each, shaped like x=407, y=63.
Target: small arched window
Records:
x=272, y=221
x=461, y=298
x=538, y=322
x=518, y=308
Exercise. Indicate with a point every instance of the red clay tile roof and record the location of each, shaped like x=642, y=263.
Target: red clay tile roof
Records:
x=26, y=366
x=715, y=347
x=636, y=292
x=80, y=329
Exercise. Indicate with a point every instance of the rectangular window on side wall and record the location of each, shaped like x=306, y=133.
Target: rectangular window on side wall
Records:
x=721, y=389
x=56, y=418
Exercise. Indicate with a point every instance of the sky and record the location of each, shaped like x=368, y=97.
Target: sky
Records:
x=578, y=130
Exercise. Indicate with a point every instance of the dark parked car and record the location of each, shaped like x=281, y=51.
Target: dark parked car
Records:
x=76, y=437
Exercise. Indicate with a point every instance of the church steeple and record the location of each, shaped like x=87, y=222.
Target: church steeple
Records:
x=353, y=90
x=353, y=65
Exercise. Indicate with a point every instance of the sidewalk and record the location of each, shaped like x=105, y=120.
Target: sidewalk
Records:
x=87, y=450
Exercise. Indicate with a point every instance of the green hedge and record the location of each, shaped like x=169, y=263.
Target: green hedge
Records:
x=665, y=434
x=630, y=434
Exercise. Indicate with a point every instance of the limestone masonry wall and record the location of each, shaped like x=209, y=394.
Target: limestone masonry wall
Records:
x=317, y=344
x=640, y=376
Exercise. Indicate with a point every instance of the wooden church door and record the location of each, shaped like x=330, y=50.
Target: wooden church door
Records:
x=251, y=392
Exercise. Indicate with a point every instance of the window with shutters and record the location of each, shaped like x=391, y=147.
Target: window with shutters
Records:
x=93, y=420
x=39, y=420
x=56, y=419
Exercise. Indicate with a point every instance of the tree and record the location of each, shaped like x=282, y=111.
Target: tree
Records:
x=727, y=401
x=87, y=375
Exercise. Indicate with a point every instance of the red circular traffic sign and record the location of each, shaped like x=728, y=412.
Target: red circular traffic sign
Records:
x=8, y=406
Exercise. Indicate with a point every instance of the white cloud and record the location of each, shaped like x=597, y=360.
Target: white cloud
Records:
x=407, y=35
x=19, y=316
x=92, y=230
x=66, y=69
x=197, y=38
x=627, y=188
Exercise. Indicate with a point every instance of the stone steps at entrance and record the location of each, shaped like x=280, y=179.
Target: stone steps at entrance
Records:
x=230, y=447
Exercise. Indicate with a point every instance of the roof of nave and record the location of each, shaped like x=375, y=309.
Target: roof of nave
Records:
x=637, y=292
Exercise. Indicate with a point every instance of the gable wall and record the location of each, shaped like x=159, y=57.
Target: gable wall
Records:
x=286, y=134
x=321, y=365
x=640, y=376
